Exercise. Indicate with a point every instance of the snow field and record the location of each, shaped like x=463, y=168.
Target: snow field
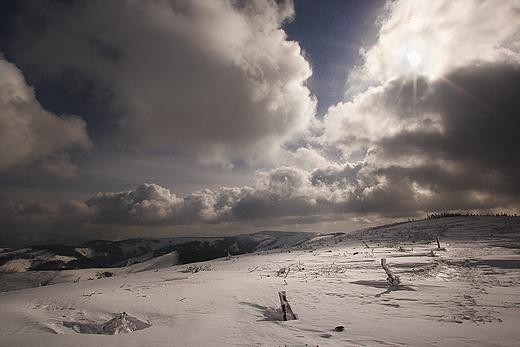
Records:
x=465, y=295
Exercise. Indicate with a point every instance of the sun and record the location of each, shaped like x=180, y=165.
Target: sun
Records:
x=414, y=57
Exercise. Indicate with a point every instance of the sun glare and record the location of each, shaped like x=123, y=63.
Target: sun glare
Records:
x=417, y=58
x=414, y=58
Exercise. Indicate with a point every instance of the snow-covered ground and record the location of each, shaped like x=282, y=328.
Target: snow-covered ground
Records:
x=464, y=294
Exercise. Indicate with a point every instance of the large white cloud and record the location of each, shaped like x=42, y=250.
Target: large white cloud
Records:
x=443, y=35
x=30, y=136
x=217, y=78
x=436, y=129
x=151, y=204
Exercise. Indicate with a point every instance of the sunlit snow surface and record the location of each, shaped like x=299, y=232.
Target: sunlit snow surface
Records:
x=465, y=295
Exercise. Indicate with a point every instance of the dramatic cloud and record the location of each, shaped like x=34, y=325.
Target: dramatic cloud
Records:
x=437, y=132
x=430, y=122
x=31, y=137
x=217, y=78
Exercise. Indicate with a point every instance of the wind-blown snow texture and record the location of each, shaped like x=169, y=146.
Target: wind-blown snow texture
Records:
x=462, y=294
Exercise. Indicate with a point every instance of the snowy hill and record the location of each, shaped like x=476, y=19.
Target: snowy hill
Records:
x=464, y=293
x=18, y=266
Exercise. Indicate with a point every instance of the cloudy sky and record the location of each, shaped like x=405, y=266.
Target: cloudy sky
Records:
x=128, y=118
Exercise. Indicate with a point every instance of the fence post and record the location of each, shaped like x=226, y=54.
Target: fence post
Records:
x=286, y=308
x=393, y=279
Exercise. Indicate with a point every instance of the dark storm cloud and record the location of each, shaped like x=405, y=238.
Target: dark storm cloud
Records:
x=478, y=132
x=436, y=145
x=217, y=78
x=481, y=112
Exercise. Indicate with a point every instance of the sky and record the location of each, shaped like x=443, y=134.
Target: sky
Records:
x=170, y=118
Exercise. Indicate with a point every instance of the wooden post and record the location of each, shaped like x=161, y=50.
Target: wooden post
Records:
x=286, y=308
x=438, y=243
x=393, y=279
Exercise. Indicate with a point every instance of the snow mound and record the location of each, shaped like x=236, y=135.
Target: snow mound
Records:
x=121, y=323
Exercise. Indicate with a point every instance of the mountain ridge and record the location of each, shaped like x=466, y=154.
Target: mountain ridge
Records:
x=113, y=254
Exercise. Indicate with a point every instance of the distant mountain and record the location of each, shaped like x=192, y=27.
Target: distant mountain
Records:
x=107, y=254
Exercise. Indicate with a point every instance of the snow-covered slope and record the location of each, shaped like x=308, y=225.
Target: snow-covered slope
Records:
x=465, y=293
x=53, y=264
x=102, y=254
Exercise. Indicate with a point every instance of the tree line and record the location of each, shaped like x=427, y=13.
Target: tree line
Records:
x=467, y=214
